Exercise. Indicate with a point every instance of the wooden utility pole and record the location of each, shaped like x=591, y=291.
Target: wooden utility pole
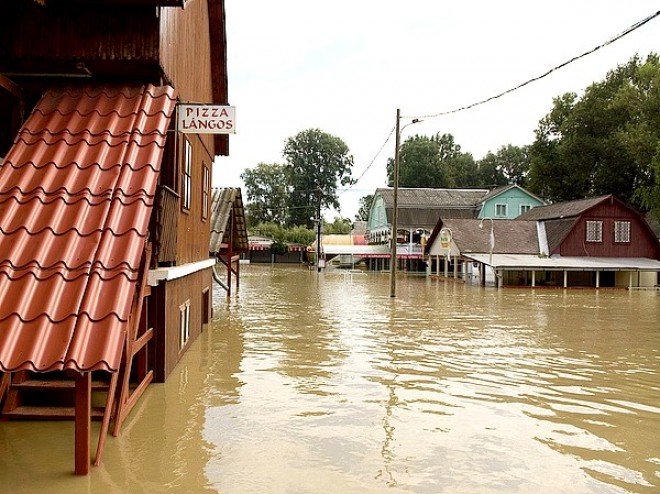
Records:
x=395, y=208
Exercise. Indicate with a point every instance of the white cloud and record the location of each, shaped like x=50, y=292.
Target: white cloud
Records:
x=346, y=66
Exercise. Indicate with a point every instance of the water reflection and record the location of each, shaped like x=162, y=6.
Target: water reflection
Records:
x=323, y=383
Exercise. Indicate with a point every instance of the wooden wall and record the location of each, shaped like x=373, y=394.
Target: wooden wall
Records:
x=167, y=298
x=642, y=243
x=44, y=40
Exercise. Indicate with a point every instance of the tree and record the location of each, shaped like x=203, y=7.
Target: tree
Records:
x=510, y=165
x=339, y=226
x=316, y=161
x=435, y=162
x=604, y=142
x=267, y=189
x=365, y=208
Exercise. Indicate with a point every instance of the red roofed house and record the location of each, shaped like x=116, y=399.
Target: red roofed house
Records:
x=105, y=274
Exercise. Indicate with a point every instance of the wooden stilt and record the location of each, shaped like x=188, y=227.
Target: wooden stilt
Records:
x=125, y=401
x=110, y=410
x=83, y=422
x=5, y=379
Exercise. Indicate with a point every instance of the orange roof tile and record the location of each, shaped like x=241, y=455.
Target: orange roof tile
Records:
x=76, y=194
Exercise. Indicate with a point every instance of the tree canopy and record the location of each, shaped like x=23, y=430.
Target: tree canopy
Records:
x=436, y=162
x=605, y=142
x=316, y=163
x=267, y=191
x=365, y=208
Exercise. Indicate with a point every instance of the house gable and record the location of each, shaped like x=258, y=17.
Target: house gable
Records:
x=508, y=203
x=609, y=229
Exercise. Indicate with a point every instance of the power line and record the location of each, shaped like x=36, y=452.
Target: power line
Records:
x=389, y=136
x=627, y=31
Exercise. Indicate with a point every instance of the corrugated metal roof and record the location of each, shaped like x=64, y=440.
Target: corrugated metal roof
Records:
x=223, y=202
x=76, y=194
x=529, y=262
x=428, y=198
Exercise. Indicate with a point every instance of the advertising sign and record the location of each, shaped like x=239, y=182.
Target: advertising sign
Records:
x=206, y=119
x=445, y=238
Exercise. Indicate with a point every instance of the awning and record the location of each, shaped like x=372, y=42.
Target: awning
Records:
x=526, y=262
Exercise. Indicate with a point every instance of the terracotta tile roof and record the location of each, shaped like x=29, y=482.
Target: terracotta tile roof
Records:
x=76, y=193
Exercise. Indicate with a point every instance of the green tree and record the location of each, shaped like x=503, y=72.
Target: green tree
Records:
x=316, y=162
x=365, y=208
x=338, y=226
x=603, y=142
x=509, y=165
x=435, y=162
x=266, y=188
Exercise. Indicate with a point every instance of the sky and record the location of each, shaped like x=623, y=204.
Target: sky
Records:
x=346, y=66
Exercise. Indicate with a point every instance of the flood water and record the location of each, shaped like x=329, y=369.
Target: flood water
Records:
x=323, y=383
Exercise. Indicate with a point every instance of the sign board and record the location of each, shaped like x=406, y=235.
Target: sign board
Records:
x=445, y=238
x=206, y=119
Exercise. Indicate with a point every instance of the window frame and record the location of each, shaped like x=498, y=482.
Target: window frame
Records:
x=184, y=324
x=504, y=206
x=598, y=238
x=186, y=176
x=523, y=208
x=627, y=231
x=206, y=191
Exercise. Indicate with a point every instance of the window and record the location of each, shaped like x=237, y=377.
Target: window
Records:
x=186, y=178
x=500, y=210
x=184, y=324
x=622, y=231
x=206, y=191
x=594, y=231
x=524, y=208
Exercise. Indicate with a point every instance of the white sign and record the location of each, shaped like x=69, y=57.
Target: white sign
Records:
x=207, y=119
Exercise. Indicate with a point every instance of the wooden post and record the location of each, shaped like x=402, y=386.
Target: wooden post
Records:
x=83, y=422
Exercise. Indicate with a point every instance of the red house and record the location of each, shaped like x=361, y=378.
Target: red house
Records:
x=598, y=242
x=105, y=273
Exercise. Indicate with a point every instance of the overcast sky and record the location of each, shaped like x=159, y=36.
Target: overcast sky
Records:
x=345, y=66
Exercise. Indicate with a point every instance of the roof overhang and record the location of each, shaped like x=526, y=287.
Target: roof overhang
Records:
x=527, y=262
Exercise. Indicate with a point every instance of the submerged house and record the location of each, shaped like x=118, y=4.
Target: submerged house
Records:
x=598, y=242
x=105, y=273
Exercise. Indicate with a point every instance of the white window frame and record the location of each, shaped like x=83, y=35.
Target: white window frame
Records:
x=499, y=206
x=206, y=191
x=184, y=324
x=186, y=175
x=594, y=231
x=524, y=208
x=622, y=230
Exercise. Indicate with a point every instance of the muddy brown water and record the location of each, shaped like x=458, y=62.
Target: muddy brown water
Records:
x=323, y=383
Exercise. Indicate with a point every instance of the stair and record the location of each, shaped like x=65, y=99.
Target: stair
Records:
x=48, y=396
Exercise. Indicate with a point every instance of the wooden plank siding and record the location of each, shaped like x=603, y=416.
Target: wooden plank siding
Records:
x=170, y=297
x=94, y=35
x=642, y=243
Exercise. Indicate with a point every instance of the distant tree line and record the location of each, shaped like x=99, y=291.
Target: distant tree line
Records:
x=605, y=141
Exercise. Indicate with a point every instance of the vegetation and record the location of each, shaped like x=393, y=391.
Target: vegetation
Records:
x=267, y=190
x=605, y=142
x=316, y=162
x=365, y=208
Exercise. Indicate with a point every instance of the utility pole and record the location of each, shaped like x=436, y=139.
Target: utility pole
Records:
x=395, y=208
x=318, y=231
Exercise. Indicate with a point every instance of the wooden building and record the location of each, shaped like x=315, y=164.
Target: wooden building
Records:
x=598, y=242
x=88, y=141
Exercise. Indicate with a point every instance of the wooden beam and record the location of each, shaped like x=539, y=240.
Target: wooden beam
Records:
x=83, y=422
x=110, y=409
x=10, y=86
